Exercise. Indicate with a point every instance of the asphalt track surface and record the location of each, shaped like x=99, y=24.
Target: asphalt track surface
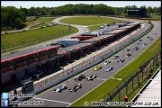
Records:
x=52, y=99
x=82, y=29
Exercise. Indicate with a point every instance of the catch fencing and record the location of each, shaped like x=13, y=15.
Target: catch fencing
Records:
x=129, y=86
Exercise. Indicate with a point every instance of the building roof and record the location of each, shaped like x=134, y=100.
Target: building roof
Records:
x=24, y=51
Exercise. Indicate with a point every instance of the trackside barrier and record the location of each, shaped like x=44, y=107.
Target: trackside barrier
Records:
x=66, y=74
x=135, y=80
x=144, y=87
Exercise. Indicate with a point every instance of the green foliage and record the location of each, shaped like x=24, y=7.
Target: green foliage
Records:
x=70, y=9
x=12, y=17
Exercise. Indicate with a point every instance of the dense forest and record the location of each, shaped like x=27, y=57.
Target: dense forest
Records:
x=14, y=18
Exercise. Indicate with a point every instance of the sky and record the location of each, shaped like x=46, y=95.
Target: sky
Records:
x=28, y=4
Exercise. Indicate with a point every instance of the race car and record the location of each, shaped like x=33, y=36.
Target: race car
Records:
x=121, y=61
x=107, y=62
x=61, y=88
x=127, y=55
x=126, y=50
x=97, y=68
x=76, y=87
x=93, y=76
x=115, y=57
x=109, y=69
x=135, y=49
x=82, y=76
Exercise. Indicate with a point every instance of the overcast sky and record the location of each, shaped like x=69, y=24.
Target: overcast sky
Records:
x=28, y=4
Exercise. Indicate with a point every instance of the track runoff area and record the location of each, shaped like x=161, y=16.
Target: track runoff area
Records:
x=66, y=98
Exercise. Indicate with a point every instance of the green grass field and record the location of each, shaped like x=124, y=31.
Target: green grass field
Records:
x=156, y=17
x=46, y=20
x=15, y=39
x=110, y=85
x=95, y=27
x=88, y=20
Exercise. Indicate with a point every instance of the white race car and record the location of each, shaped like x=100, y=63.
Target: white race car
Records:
x=93, y=76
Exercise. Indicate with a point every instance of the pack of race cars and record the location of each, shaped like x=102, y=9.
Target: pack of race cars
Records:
x=76, y=86
x=96, y=68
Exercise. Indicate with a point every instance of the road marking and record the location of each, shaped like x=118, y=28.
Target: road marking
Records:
x=101, y=79
x=53, y=101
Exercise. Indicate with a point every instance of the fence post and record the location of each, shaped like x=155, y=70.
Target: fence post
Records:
x=118, y=93
x=110, y=97
x=142, y=73
x=138, y=78
x=125, y=86
x=132, y=83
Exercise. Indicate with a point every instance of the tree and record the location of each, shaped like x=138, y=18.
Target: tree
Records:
x=25, y=11
x=19, y=23
x=11, y=17
x=125, y=9
x=32, y=11
x=143, y=6
x=149, y=10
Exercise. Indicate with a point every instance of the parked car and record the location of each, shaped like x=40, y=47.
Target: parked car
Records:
x=116, y=57
x=93, y=76
x=97, y=68
x=121, y=61
x=82, y=76
x=107, y=62
x=127, y=55
x=25, y=79
x=76, y=87
x=109, y=69
x=61, y=88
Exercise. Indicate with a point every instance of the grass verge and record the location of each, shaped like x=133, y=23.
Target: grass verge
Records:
x=110, y=85
x=20, y=38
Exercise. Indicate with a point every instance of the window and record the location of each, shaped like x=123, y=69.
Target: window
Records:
x=52, y=53
x=20, y=63
x=6, y=67
x=43, y=56
x=32, y=59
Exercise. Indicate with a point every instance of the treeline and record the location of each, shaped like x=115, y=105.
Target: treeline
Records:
x=12, y=17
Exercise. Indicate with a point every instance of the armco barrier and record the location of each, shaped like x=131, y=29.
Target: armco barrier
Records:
x=144, y=87
x=88, y=66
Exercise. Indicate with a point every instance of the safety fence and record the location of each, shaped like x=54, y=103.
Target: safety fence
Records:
x=34, y=41
x=129, y=86
x=75, y=69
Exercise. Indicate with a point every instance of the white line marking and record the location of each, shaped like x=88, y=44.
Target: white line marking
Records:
x=53, y=101
x=101, y=79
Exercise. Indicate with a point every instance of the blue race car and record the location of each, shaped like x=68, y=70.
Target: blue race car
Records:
x=121, y=61
x=109, y=69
